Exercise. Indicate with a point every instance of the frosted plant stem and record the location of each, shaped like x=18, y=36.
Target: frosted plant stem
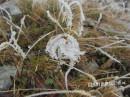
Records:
x=109, y=45
x=21, y=26
x=82, y=17
x=124, y=76
x=87, y=74
x=67, y=73
x=54, y=20
x=105, y=53
x=9, y=20
x=100, y=18
x=9, y=16
x=18, y=49
x=82, y=92
x=108, y=55
x=26, y=90
x=66, y=77
x=67, y=13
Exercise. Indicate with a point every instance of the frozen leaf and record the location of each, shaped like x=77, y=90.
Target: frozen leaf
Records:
x=64, y=46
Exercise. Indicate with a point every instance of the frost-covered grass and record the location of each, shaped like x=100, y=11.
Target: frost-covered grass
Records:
x=62, y=47
x=53, y=31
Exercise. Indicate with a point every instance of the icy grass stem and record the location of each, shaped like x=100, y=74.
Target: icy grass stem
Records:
x=72, y=63
x=67, y=13
x=66, y=9
x=22, y=24
x=54, y=20
x=109, y=45
x=82, y=17
x=81, y=92
x=13, y=43
x=87, y=74
x=105, y=53
x=108, y=55
x=8, y=14
x=100, y=18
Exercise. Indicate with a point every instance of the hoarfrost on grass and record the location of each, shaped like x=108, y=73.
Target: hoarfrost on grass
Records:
x=13, y=42
x=64, y=46
x=67, y=12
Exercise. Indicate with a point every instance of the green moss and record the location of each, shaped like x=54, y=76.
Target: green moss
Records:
x=39, y=59
x=49, y=81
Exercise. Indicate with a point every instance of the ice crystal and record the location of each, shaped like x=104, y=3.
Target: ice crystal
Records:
x=64, y=46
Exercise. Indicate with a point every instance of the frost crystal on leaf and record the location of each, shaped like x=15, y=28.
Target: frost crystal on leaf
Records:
x=64, y=46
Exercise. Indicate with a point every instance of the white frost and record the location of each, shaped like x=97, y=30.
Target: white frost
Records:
x=64, y=46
